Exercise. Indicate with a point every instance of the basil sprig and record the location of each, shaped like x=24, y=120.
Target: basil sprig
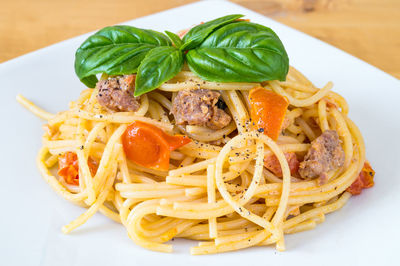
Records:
x=222, y=50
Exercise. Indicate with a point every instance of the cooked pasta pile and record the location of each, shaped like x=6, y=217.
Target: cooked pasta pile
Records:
x=217, y=190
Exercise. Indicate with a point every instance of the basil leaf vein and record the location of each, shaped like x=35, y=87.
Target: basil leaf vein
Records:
x=199, y=33
x=159, y=65
x=240, y=52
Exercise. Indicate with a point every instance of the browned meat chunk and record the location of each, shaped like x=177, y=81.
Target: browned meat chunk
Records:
x=325, y=154
x=198, y=107
x=116, y=94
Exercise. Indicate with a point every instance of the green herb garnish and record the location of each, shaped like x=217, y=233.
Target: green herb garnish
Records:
x=222, y=50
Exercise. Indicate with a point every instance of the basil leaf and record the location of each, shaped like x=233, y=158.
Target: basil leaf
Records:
x=115, y=50
x=176, y=40
x=240, y=52
x=159, y=65
x=199, y=33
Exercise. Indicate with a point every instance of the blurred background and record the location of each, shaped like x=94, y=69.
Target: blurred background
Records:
x=367, y=29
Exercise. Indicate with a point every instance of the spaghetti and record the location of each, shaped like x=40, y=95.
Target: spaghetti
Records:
x=216, y=190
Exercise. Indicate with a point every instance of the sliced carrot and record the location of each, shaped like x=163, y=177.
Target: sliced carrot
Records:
x=149, y=146
x=364, y=180
x=268, y=111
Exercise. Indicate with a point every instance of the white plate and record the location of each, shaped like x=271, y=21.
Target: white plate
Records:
x=365, y=232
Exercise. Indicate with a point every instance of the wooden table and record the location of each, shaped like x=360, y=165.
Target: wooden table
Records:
x=368, y=29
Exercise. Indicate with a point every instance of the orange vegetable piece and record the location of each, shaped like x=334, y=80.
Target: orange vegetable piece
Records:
x=68, y=167
x=149, y=146
x=268, y=111
x=271, y=162
x=364, y=180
